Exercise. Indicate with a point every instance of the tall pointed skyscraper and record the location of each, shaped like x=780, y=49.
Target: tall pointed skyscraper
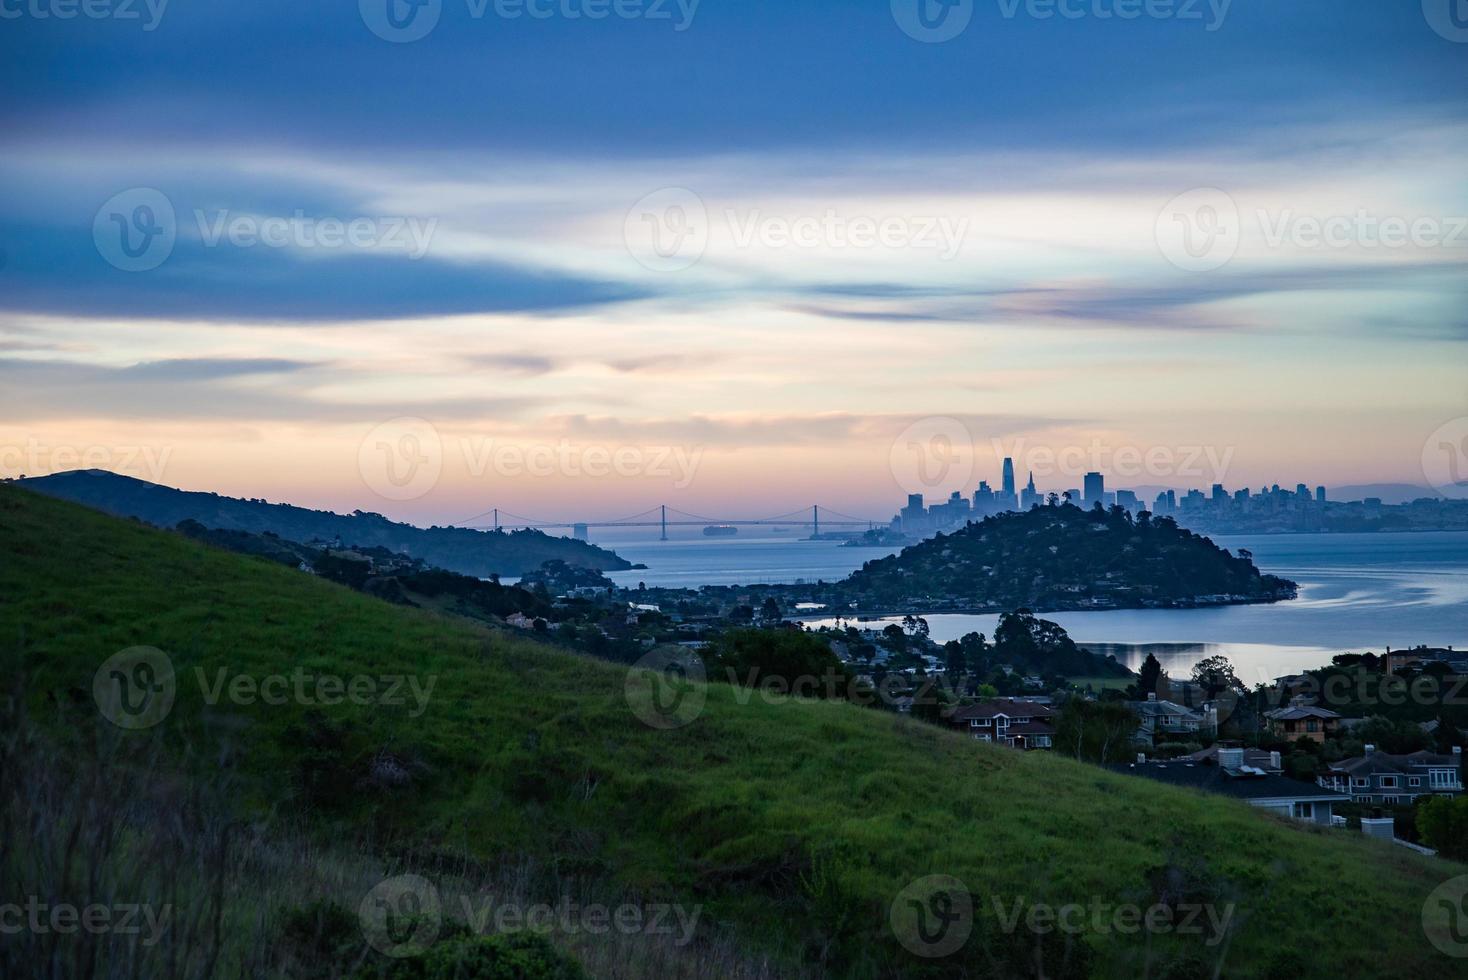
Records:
x=1009, y=487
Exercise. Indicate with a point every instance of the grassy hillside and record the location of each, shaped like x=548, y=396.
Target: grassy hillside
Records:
x=795, y=825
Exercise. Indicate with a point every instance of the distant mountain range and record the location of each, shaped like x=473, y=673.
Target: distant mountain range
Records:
x=463, y=550
x=1390, y=493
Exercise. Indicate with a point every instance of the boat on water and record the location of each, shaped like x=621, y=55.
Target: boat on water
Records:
x=720, y=531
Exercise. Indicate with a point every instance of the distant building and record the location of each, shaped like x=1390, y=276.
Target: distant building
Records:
x=1008, y=483
x=1095, y=488
x=578, y=531
x=1299, y=720
x=1379, y=777
x=1163, y=721
x=1030, y=497
x=1231, y=775
x=1320, y=495
x=1019, y=724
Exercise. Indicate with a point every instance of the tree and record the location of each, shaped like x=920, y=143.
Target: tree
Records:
x=975, y=653
x=1215, y=675
x=953, y=660
x=1096, y=731
x=1443, y=823
x=915, y=626
x=1148, y=676
x=770, y=611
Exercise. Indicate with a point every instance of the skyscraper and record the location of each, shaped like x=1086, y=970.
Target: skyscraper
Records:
x=1009, y=486
x=1030, y=497
x=1095, y=489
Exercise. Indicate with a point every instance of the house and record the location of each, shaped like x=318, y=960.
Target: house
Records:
x=1164, y=720
x=1383, y=778
x=1299, y=719
x=1230, y=776
x=1393, y=661
x=1021, y=724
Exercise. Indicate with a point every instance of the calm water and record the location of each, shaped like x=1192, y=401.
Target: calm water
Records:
x=1358, y=592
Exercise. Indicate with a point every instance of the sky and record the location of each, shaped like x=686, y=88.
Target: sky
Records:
x=575, y=258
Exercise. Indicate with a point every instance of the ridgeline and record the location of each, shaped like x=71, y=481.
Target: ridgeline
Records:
x=458, y=549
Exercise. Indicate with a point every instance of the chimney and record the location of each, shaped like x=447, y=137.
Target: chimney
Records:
x=1152, y=696
x=1370, y=748
x=1457, y=750
x=1141, y=758
x=1231, y=758
x=1274, y=762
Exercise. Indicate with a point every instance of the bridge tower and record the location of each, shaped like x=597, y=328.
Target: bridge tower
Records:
x=815, y=516
x=664, y=523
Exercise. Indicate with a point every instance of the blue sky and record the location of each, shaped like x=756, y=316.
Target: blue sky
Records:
x=1024, y=168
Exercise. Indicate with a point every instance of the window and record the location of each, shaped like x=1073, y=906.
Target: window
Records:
x=1442, y=778
x=1388, y=782
x=1359, y=782
x=1389, y=800
x=1042, y=741
x=1414, y=780
x=1304, y=811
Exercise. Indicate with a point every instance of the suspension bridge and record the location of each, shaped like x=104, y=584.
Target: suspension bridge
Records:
x=662, y=516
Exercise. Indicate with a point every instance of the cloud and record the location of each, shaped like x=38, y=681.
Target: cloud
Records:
x=527, y=365
x=212, y=368
x=815, y=430
x=661, y=363
x=201, y=389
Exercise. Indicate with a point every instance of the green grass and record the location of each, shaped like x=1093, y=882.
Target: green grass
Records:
x=794, y=824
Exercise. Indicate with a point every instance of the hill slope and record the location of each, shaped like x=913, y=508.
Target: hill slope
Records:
x=462, y=550
x=1056, y=558
x=796, y=824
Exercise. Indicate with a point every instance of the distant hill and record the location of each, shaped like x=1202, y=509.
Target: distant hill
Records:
x=1058, y=558
x=1388, y=493
x=469, y=552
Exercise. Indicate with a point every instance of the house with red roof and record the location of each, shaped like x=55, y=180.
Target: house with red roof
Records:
x=1020, y=724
